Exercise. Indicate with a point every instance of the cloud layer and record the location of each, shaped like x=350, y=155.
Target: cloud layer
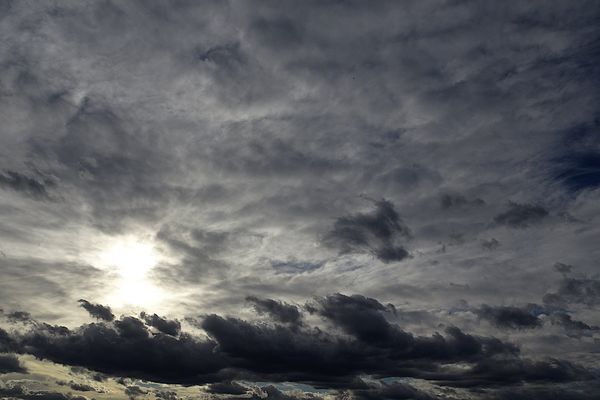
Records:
x=312, y=200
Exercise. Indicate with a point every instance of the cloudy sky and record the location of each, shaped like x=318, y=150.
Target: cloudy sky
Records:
x=319, y=200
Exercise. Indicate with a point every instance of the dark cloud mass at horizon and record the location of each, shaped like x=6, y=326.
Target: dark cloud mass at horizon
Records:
x=318, y=200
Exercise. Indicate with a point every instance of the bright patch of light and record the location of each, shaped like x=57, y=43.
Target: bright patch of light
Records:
x=131, y=260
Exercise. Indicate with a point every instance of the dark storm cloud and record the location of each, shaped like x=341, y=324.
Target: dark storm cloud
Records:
x=128, y=349
x=97, y=310
x=277, y=310
x=521, y=215
x=25, y=184
x=10, y=363
x=131, y=328
x=381, y=233
x=364, y=318
x=168, y=326
x=508, y=317
x=238, y=349
x=357, y=315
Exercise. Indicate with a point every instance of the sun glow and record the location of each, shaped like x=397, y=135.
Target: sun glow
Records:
x=131, y=260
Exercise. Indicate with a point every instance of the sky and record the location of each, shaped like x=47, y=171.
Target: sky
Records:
x=299, y=200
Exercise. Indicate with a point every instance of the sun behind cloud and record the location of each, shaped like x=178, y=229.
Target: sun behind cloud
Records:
x=131, y=259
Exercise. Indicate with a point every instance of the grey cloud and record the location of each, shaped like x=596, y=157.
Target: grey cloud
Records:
x=135, y=391
x=521, y=215
x=496, y=372
x=450, y=200
x=18, y=316
x=273, y=393
x=30, y=186
x=529, y=317
x=572, y=326
x=22, y=393
x=199, y=258
x=166, y=395
x=381, y=233
x=490, y=244
x=233, y=388
x=294, y=267
x=585, y=291
x=45, y=286
x=80, y=387
x=509, y=317
x=97, y=310
x=168, y=326
x=131, y=328
x=277, y=310
x=563, y=268
x=128, y=349
x=10, y=363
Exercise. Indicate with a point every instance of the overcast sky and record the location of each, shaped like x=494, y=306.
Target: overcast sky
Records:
x=319, y=200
